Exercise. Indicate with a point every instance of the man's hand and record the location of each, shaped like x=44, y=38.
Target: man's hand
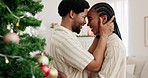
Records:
x=61, y=75
x=107, y=28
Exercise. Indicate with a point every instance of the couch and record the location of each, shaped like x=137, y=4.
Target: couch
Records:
x=137, y=67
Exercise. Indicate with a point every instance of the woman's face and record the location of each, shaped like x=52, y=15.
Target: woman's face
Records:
x=93, y=21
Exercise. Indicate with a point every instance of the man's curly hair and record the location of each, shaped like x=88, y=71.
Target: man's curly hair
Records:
x=77, y=6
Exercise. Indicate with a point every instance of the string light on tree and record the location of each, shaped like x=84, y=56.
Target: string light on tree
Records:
x=37, y=0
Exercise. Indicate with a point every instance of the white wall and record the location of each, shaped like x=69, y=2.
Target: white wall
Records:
x=137, y=12
x=50, y=12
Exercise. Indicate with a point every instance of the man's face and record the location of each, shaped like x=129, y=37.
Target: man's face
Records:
x=93, y=21
x=79, y=21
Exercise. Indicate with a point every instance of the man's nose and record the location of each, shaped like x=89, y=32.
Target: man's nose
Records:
x=84, y=22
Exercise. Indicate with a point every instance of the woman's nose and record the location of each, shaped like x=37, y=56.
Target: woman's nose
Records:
x=88, y=24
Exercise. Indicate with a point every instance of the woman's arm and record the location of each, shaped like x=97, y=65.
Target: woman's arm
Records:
x=95, y=65
x=93, y=45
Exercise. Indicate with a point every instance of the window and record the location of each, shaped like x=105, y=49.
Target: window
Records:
x=121, y=10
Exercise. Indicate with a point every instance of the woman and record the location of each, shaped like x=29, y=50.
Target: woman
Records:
x=114, y=64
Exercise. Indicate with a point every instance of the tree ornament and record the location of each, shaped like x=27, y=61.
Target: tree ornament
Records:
x=53, y=72
x=11, y=37
x=45, y=69
x=42, y=59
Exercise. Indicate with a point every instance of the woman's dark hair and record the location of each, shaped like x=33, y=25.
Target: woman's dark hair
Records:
x=105, y=9
x=77, y=6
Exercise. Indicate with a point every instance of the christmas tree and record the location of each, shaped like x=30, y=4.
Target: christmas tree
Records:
x=15, y=44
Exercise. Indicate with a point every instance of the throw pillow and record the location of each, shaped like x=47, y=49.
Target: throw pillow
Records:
x=130, y=68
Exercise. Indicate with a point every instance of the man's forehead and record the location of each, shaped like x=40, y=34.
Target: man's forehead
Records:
x=84, y=13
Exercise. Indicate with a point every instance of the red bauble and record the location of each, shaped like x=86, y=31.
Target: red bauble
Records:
x=45, y=69
x=11, y=37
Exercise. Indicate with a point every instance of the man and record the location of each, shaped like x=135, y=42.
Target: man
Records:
x=69, y=55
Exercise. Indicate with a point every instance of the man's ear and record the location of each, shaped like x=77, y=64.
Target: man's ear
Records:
x=104, y=18
x=71, y=14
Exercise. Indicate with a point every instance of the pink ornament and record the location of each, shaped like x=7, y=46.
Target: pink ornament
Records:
x=11, y=37
x=45, y=69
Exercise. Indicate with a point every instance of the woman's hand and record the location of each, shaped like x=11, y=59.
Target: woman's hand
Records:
x=107, y=28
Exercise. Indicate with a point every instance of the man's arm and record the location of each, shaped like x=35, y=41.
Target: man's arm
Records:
x=98, y=53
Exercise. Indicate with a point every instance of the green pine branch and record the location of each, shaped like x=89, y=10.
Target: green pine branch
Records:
x=13, y=14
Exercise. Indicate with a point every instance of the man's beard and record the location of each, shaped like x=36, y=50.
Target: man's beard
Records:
x=76, y=29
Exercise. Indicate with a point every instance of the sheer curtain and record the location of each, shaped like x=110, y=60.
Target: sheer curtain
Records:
x=121, y=12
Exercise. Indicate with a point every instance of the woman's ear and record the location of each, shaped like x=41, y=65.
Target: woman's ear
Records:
x=104, y=18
